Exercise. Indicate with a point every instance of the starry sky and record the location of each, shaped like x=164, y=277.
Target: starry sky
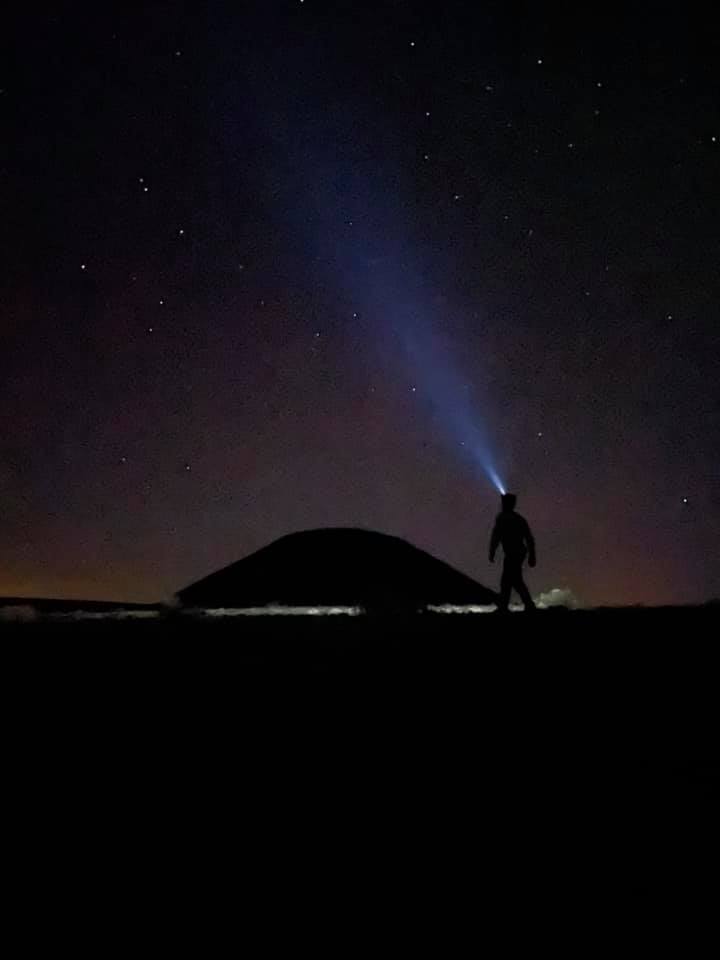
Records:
x=279, y=265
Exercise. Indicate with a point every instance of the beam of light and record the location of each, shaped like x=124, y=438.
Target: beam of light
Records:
x=444, y=389
x=384, y=273
x=363, y=237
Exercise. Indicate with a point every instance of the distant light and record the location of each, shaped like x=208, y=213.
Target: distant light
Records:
x=145, y=189
x=460, y=608
x=412, y=43
x=118, y=614
x=83, y=266
x=181, y=232
x=684, y=499
x=539, y=62
x=275, y=609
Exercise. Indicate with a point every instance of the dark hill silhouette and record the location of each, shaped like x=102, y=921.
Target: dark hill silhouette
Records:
x=337, y=565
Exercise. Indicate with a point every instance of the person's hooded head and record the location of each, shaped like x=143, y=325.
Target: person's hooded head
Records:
x=508, y=501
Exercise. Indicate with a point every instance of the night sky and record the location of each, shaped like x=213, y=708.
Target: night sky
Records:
x=272, y=266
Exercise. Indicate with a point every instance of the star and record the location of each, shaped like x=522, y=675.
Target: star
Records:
x=83, y=266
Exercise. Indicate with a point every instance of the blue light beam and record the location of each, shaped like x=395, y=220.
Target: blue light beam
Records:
x=433, y=367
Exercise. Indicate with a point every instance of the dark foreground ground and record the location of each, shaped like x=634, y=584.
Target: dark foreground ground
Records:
x=478, y=764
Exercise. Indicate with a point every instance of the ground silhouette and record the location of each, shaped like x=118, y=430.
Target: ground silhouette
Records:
x=571, y=757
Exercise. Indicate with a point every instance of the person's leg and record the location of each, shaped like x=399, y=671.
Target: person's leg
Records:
x=505, y=585
x=522, y=589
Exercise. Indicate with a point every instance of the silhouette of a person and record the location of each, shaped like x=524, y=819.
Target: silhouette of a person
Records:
x=512, y=532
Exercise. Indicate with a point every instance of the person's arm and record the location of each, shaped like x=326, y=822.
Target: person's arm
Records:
x=494, y=542
x=530, y=540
